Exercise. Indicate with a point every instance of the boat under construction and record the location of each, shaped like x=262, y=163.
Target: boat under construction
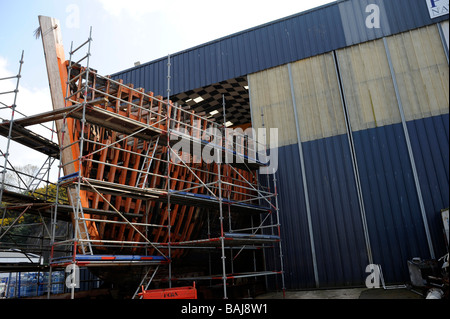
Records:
x=158, y=195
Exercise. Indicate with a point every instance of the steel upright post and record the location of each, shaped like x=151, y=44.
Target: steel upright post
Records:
x=79, y=207
x=222, y=236
x=168, y=171
x=283, y=287
x=13, y=109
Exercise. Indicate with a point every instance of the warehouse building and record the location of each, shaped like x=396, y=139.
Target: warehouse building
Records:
x=359, y=91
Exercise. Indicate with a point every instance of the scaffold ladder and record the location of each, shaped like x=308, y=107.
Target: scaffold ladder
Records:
x=147, y=163
x=40, y=174
x=81, y=229
x=146, y=280
x=83, y=232
x=13, y=109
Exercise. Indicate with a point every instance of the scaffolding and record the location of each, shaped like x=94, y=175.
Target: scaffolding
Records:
x=26, y=197
x=24, y=193
x=149, y=181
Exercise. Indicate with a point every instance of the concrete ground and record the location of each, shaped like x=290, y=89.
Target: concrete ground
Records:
x=352, y=293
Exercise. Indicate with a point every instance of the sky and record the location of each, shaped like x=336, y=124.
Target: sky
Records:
x=123, y=33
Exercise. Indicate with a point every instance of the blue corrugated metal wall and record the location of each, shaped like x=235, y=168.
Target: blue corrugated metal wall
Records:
x=338, y=233
x=430, y=143
x=394, y=221
x=391, y=203
x=296, y=244
x=392, y=208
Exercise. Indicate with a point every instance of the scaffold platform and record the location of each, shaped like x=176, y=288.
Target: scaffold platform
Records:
x=108, y=260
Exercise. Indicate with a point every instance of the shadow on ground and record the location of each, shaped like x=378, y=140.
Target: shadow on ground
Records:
x=353, y=293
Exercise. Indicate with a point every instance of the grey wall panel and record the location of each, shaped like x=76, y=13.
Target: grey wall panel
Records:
x=354, y=15
x=445, y=33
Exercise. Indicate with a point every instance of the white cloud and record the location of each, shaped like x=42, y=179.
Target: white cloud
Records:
x=29, y=101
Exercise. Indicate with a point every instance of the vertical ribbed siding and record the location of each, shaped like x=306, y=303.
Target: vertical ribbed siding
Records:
x=392, y=209
x=395, y=226
x=338, y=232
x=430, y=143
x=316, y=84
x=336, y=219
x=368, y=86
x=407, y=15
x=298, y=263
x=422, y=73
x=253, y=50
x=390, y=194
x=444, y=26
x=354, y=15
x=391, y=200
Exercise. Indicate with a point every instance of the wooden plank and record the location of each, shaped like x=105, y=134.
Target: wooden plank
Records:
x=57, y=76
x=30, y=139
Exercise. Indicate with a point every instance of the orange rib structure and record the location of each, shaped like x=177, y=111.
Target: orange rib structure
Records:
x=114, y=162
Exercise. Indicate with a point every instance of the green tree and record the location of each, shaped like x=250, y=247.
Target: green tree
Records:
x=48, y=193
x=26, y=226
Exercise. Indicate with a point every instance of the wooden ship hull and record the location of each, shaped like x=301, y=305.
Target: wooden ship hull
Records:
x=128, y=194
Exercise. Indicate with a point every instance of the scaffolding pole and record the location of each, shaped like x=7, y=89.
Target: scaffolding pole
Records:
x=11, y=123
x=169, y=224
x=283, y=287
